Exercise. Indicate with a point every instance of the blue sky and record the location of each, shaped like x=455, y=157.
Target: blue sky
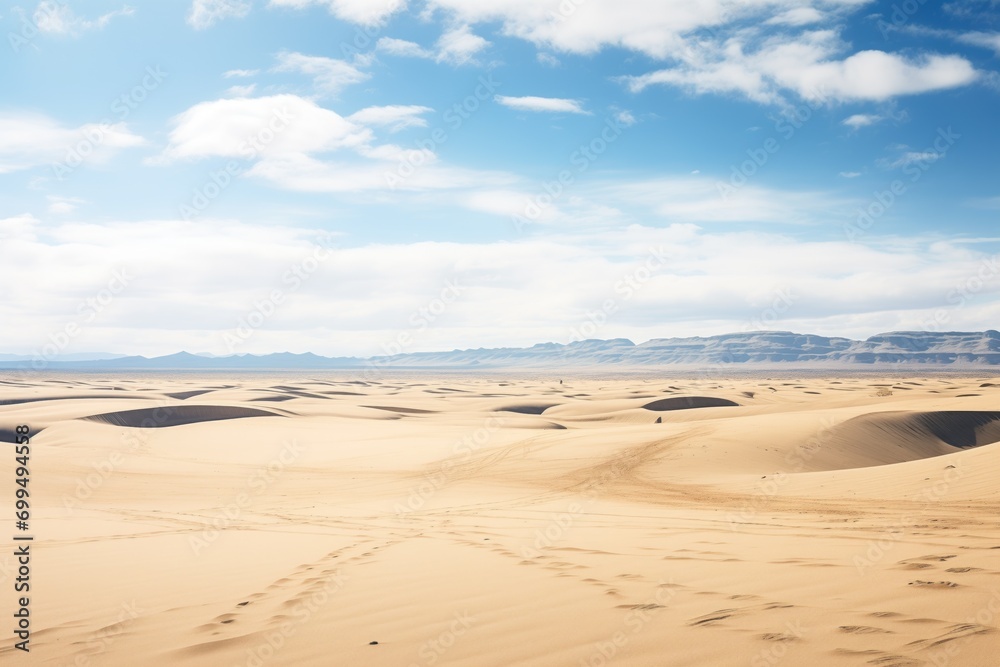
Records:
x=459, y=173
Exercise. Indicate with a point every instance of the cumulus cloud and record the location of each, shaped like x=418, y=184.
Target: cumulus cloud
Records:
x=261, y=126
x=295, y=144
x=810, y=69
x=459, y=46
x=762, y=51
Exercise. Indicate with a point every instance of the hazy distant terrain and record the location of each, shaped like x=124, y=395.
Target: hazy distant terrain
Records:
x=762, y=347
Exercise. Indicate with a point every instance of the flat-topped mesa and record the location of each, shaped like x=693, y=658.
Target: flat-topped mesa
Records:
x=763, y=348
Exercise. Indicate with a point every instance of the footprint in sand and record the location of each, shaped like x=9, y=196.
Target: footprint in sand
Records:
x=863, y=630
x=960, y=631
x=933, y=584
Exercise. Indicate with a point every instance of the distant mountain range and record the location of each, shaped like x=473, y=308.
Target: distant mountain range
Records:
x=763, y=348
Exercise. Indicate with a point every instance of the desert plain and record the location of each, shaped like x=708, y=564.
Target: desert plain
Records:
x=294, y=519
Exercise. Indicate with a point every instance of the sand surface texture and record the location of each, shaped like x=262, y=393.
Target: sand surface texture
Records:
x=258, y=520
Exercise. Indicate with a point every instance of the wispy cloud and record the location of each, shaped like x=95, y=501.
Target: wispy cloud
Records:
x=915, y=157
x=329, y=76
x=59, y=19
x=240, y=73
x=862, y=120
x=206, y=13
x=543, y=104
x=396, y=117
x=457, y=46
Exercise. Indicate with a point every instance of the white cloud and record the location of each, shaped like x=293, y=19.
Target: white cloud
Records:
x=240, y=73
x=206, y=13
x=545, y=104
x=194, y=282
x=916, y=157
x=721, y=47
x=547, y=59
x=59, y=19
x=31, y=140
x=263, y=126
x=396, y=117
x=241, y=91
x=364, y=12
x=330, y=76
x=297, y=145
x=862, y=120
x=700, y=199
x=303, y=173
x=797, y=16
x=62, y=205
x=689, y=199
x=18, y=227
x=809, y=68
x=459, y=46
x=850, y=174
x=401, y=47
x=989, y=40
x=625, y=117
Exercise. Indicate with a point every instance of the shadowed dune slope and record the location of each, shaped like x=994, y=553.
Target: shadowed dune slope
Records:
x=920, y=434
x=177, y=415
x=689, y=402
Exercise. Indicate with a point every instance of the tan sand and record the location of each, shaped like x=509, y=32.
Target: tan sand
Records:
x=250, y=521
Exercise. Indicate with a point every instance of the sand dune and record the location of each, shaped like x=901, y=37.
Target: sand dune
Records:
x=689, y=403
x=177, y=415
x=488, y=522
